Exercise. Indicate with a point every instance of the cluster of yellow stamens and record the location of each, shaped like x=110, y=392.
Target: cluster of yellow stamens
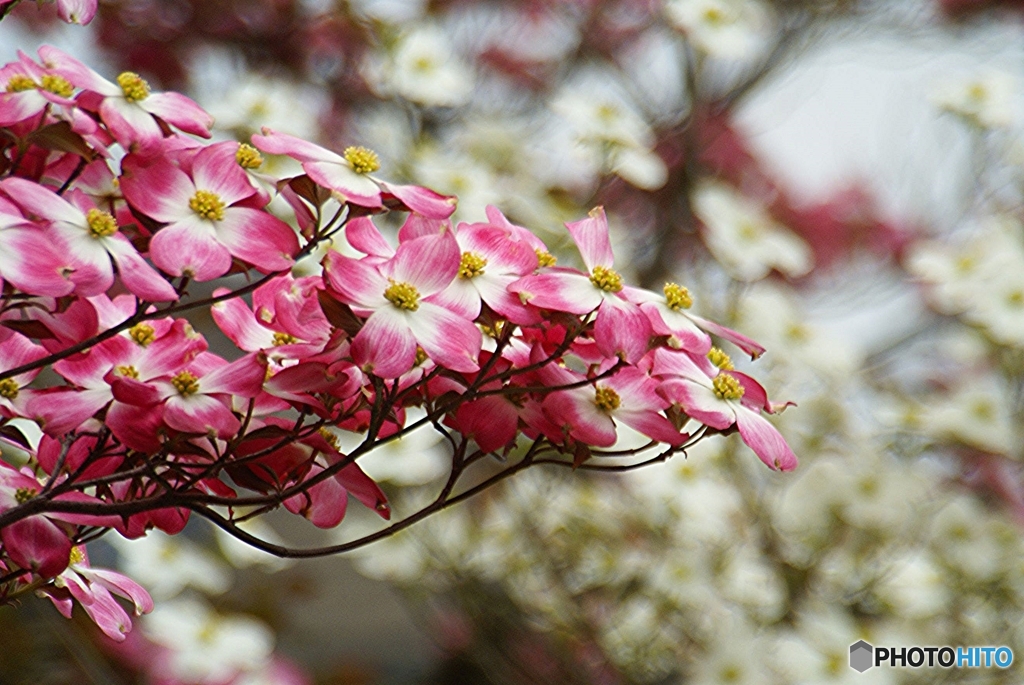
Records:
x=19, y=83
x=185, y=383
x=606, y=399
x=715, y=16
x=749, y=231
x=607, y=112
x=492, y=331
x=677, y=297
x=133, y=86
x=421, y=356
x=77, y=555
x=330, y=437
x=472, y=265
x=363, y=160
x=284, y=339
x=606, y=279
x=142, y=333
x=128, y=371
x=101, y=224
x=8, y=388
x=22, y=495
x=58, y=85
x=726, y=387
x=248, y=157
x=403, y=295
x=207, y=204
x=720, y=359
x=545, y=258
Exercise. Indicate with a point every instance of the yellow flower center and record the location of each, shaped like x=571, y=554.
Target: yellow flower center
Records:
x=797, y=332
x=730, y=674
x=606, y=399
x=748, y=231
x=207, y=204
x=606, y=279
x=248, y=157
x=977, y=92
x=330, y=437
x=19, y=83
x=284, y=339
x=22, y=495
x=101, y=224
x=142, y=333
x=77, y=555
x=133, y=86
x=983, y=410
x=8, y=388
x=965, y=264
x=423, y=64
x=421, y=356
x=727, y=387
x=1015, y=299
x=403, y=295
x=185, y=383
x=472, y=265
x=720, y=359
x=363, y=160
x=715, y=16
x=493, y=331
x=607, y=112
x=58, y=85
x=128, y=371
x=545, y=258
x=677, y=297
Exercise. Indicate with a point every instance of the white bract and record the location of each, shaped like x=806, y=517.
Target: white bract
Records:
x=422, y=68
x=258, y=101
x=736, y=29
x=207, y=647
x=744, y=238
x=608, y=127
x=166, y=565
x=987, y=99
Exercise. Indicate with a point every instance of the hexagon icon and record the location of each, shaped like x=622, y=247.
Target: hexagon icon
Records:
x=860, y=656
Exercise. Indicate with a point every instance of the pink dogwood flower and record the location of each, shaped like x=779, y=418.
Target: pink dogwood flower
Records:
x=128, y=107
x=90, y=237
x=348, y=175
x=40, y=544
x=208, y=216
x=669, y=315
x=94, y=588
x=28, y=260
x=397, y=295
x=589, y=413
x=720, y=397
x=15, y=351
x=27, y=89
x=621, y=329
x=198, y=399
x=115, y=374
x=76, y=11
x=490, y=263
x=285, y=320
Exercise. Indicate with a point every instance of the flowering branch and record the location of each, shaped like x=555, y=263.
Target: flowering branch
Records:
x=507, y=353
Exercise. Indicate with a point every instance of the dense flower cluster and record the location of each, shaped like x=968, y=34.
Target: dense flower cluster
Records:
x=114, y=213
